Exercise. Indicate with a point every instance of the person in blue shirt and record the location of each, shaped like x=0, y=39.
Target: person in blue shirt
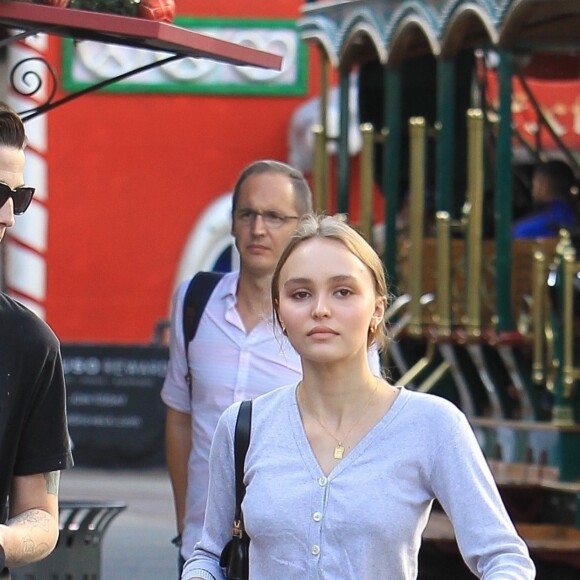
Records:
x=554, y=206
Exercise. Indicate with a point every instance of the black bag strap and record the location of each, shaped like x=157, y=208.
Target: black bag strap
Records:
x=4, y=572
x=241, y=444
x=196, y=296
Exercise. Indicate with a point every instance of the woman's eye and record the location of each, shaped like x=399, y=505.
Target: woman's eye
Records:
x=344, y=292
x=300, y=295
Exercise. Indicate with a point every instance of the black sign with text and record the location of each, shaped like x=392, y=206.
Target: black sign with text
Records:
x=115, y=414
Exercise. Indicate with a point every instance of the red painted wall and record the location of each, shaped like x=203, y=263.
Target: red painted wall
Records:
x=128, y=174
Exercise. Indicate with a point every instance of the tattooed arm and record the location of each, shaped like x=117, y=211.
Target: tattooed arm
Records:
x=31, y=531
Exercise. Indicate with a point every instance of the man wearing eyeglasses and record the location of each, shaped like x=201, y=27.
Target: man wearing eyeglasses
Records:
x=235, y=354
x=34, y=442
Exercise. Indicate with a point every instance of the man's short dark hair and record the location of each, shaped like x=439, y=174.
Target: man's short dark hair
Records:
x=302, y=193
x=12, y=132
x=560, y=176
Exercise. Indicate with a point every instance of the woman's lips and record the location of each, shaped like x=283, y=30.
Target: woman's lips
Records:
x=322, y=331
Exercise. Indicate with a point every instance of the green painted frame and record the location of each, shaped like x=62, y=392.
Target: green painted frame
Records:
x=298, y=88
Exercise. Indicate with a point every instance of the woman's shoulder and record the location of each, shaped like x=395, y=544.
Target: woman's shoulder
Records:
x=431, y=418
x=275, y=397
x=430, y=406
x=266, y=403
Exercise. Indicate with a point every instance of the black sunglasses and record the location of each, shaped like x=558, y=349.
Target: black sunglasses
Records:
x=22, y=196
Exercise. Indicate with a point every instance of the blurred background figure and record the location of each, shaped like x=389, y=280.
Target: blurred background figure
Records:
x=554, y=201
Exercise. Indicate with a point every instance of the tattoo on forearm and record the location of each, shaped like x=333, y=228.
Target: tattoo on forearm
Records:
x=52, y=480
x=38, y=519
x=31, y=548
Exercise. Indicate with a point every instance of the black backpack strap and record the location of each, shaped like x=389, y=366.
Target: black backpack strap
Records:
x=196, y=296
x=241, y=444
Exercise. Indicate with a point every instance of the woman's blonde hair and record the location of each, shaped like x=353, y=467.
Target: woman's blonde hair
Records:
x=335, y=228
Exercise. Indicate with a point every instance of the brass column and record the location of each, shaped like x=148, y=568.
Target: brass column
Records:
x=366, y=180
x=417, y=146
x=472, y=319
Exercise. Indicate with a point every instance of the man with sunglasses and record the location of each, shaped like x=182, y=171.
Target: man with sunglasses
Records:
x=34, y=442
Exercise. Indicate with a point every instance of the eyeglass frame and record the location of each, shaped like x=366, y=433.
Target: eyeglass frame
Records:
x=248, y=216
x=7, y=192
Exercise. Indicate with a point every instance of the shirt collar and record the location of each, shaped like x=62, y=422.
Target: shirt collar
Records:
x=227, y=292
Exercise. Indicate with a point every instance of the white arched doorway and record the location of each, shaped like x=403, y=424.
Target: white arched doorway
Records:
x=210, y=244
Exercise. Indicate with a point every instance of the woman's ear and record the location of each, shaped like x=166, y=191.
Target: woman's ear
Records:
x=380, y=307
x=280, y=321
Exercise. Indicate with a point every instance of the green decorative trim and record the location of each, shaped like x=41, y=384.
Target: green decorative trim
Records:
x=296, y=88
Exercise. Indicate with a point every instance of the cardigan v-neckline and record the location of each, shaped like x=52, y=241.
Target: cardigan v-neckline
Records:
x=309, y=457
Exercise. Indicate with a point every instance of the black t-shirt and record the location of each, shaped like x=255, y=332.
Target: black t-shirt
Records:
x=33, y=427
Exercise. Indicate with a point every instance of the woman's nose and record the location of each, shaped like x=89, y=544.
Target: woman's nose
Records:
x=320, y=309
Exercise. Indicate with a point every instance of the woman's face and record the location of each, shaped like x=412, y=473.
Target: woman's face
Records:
x=327, y=301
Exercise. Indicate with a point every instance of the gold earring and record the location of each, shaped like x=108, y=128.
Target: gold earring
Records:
x=373, y=327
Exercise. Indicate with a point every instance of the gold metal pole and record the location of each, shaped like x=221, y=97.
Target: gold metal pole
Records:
x=417, y=140
x=320, y=168
x=475, y=181
x=324, y=65
x=443, y=224
x=366, y=180
x=562, y=412
x=538, y=315
x=434, y=377
x=569, y=271
x=324, y=84
x=419, y=366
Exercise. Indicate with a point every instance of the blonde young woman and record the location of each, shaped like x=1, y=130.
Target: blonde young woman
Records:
x=343, y=468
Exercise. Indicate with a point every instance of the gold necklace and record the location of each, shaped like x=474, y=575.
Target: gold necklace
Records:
x=339, y=449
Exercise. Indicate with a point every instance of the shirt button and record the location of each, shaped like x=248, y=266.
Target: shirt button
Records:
x=322, y=481
x=315, y=550
x=316, y=516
